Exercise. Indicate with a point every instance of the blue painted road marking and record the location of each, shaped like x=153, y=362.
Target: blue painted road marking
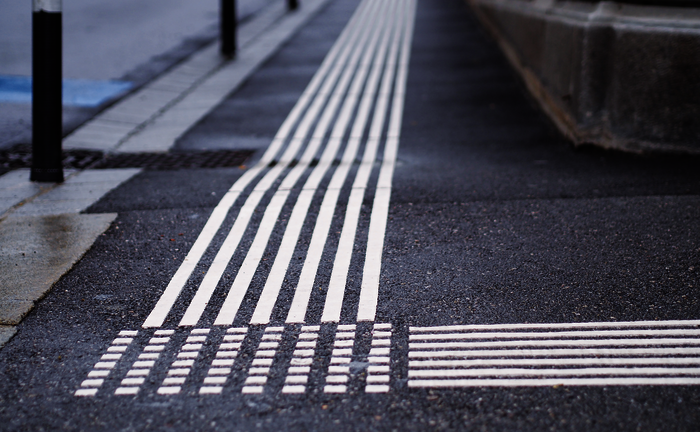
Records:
x=76, y=92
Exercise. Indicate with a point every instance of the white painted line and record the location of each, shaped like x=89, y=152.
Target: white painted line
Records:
x=377, y=388
x=98, y=374
x=345, y=335
x=556, y=352
x=200, y=331
x=381, y=342
x=191, y=354
x=381, y=334
x=298, y=379
x=259, y=371
x=293, y=389
x=131, y=333
x=220, y=371
x=541, y=382
x=301, y=361
x=154, y=348
x=574, y=372
x=191, y=347
x=230, y=346
x=226, y=354
x=111, y=357
x=210, y=390
x=268, y=345
x=169, y=390
x=562, y=334
x=310, y=328
x=122, y=341
x=382, y=326
x=178, y=372
x=303, y=353
x=378, y=369
x=237, y=330
x=378, y=379
x=215, y=380
x=126, y=391
x=450, y=364
x=337, y=379
x=159, y=340
x=344, y=343
x=495, y=327
x=183, y=363
x=191, y=339
x=132, y=381
x=335, y=389
x=346, y=327
x=259, y=380
x=138, y=372
x=144, y=364
x=311, y=344
x=308, y=336
x=169, y=381
x=342, y=352
x=338, y=369
x=369, y=292
x=340, y=360
x=299, y=370
x=225, y=363
x=252, y=390
x=262, y=362
x=234, y=338
x=378, y=359
x=149, y=356
x=265, y=353
x=119, y=349
x=554, y=343
x=379, y=352
x=164, y=332
x=105, y=365
x=86, y=392
x=272, y=337
x=92, y=383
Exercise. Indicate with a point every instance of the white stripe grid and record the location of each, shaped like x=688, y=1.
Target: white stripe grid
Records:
x=221, y=367
x=182, y=366
x=364, y=72
x=108, y=361
x=599, y=354
x=339, y=367
x=302, y=359
x=378, y=371
x=262, y=362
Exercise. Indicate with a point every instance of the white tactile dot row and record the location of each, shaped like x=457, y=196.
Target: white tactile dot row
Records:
x=379, y=361
x=302, y=357
x=220, y=368
x=181, y=367
x=260, y=369
x=108, y=361
x=141, y=368
x=339, y=368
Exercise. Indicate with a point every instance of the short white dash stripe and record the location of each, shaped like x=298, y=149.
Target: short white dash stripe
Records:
x=513, y=372
x=556, y=352
x=562, y=334
x=496, y=327
x=416, y=364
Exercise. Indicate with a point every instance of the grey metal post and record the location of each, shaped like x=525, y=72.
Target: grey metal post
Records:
x=47, y=76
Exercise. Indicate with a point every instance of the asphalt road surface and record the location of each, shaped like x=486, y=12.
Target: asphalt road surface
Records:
x=415, y=248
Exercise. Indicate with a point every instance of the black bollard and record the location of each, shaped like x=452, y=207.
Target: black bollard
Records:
x=228, y=25
x=47, y=74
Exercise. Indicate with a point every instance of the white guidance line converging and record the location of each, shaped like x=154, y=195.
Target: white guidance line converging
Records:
x=364, y=73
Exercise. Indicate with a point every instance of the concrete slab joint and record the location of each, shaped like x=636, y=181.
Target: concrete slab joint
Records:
x=616, y=75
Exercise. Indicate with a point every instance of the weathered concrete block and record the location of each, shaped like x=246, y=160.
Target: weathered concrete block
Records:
x=617, y=75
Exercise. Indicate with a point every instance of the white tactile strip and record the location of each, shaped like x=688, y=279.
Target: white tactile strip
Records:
x=167, y=362
x=364, y=73
x=302, y=358
x=103, y=368
x=221, y=366
x=575, y=354
x=262, y=362
x=379, y=369
x=339, y=367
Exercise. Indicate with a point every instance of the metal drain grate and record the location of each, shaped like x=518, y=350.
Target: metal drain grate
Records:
x=21, y=157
